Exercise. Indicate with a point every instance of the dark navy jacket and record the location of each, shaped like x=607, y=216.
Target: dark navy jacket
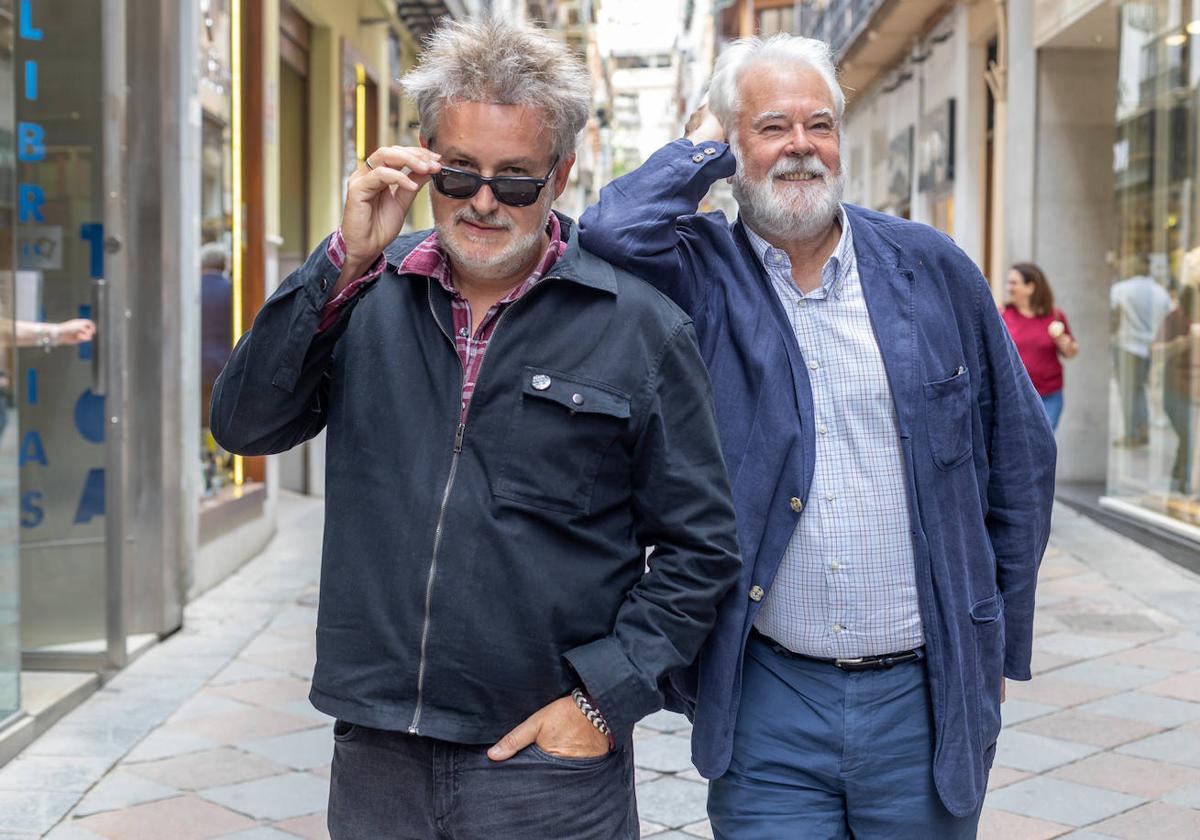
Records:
x=978, y=450
x=473, y=574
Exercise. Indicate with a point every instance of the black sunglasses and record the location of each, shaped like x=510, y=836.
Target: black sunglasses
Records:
x=513, y=190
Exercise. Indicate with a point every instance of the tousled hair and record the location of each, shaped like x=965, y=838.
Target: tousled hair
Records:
x=735, y=59
x=501, y=63
x=1042, y=302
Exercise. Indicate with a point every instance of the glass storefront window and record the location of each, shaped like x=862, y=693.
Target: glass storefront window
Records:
x=216, y=236
x=10, y=588
x=1155, y=293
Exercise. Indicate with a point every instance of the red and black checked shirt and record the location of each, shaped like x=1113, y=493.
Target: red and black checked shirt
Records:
x=429, y=260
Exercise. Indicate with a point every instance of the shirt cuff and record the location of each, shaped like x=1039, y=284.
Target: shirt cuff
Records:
x=336, y=252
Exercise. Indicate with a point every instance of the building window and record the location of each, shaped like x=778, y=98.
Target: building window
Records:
x=768, y=22
x=1155, y=294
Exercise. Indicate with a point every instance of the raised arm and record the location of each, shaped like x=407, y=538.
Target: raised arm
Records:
x=274, y=390
x=645, y=222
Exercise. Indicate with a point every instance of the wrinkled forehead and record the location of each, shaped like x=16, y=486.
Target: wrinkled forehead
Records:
x=795, y=89
x=495, y=130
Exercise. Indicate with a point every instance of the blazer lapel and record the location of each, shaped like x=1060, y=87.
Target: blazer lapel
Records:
x=888, y=291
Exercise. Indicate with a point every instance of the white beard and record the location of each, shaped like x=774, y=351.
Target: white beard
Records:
x=798, y=214
x=501, y=264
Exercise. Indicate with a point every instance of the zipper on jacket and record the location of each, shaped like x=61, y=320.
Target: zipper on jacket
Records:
x=437, y=544
x=459, y=432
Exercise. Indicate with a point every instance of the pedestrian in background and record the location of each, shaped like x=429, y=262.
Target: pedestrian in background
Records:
x=1138, y=306
x=1041, y=333
x=893, y=470
x=1174, y=343
x=511, y=422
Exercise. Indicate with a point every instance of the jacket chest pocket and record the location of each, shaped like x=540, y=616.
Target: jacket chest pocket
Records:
x=948, y=418
x=560, y=432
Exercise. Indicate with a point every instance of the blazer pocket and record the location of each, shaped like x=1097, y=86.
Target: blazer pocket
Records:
x=948, y=418
x=562, y=428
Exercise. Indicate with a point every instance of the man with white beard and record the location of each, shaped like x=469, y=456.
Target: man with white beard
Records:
x=892, y=469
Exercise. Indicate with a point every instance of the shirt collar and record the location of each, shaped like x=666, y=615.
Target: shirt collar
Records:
x=833, y=274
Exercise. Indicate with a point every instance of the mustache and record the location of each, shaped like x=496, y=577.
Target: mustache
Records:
x=493, y=219
x=807, y=165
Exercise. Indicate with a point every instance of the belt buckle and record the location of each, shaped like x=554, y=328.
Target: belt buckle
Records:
x=841, y=663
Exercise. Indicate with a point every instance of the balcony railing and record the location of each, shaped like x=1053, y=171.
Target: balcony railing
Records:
x=836, y=22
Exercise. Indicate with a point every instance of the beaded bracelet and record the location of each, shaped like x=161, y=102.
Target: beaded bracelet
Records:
x=593, y=714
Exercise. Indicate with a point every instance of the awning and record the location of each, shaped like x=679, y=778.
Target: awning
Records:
x=420, y=17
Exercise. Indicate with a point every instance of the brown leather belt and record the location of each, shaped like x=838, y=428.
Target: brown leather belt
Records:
x=859, y=663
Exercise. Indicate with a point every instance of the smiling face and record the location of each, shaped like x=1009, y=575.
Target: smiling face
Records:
x=789, y=182
x=484, y=238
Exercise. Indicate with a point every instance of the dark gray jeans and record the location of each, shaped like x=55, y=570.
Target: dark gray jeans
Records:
x=395, y=786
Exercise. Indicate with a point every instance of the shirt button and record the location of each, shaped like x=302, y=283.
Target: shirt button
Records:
x=803, y=303
x=837, y=628
x=464, y=332
x=796, y=504
x=756, y=593
x=813, y=365
x=835, y=565
x=822, y=429
x=697, y=158
x=829, y=497
x=710, y=150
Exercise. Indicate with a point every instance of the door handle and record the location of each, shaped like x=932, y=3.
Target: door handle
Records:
x=100, y=317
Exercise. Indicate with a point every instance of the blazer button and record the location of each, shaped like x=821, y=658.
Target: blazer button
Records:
x=324, y=284
x=697, y=158
x=756, y=593
x=796, y=504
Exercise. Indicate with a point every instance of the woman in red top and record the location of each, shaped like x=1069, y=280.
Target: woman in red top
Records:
x=1041, y=334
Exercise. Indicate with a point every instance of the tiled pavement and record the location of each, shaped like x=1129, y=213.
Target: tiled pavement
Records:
x=210, y=735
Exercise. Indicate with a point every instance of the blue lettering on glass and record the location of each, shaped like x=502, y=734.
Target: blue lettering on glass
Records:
x=31, y=386
x=89, y=417
x=31, y=512
x=32, y=199
x=93, y=233
x=31, y=80
x=85, y=348
x=91, y=500
x=32, y=449
x=28, y=31
x=31, y=142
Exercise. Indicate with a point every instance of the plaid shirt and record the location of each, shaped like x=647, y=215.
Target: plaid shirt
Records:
x=428, y=259
x=846, y=586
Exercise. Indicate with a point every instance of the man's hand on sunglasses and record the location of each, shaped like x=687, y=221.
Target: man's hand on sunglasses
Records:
x=378, y=197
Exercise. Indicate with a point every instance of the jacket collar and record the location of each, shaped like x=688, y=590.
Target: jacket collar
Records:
x=575, y=265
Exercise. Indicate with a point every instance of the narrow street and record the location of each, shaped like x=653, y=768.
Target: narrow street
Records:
x=210, y=733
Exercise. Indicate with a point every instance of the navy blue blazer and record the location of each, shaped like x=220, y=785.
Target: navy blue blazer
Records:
x=978, y=450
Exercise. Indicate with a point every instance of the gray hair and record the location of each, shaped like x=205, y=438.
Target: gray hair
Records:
x=501, y=63
x=723, y=98
x=213, y=256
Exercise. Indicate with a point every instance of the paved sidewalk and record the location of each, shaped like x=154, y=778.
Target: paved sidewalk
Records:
x=210, y=734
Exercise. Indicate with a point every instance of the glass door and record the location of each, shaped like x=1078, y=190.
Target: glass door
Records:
x=70, y=372
x=10, y=590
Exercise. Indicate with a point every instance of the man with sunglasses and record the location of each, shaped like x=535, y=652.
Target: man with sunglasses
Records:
x=510, y=422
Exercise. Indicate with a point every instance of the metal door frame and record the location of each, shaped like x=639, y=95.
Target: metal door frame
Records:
x=110, y=352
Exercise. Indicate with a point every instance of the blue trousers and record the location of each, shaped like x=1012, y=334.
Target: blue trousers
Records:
x=1054, y=406
x=827, y=754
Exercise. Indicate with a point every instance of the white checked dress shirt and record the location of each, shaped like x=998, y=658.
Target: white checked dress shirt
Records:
x=847, y=584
